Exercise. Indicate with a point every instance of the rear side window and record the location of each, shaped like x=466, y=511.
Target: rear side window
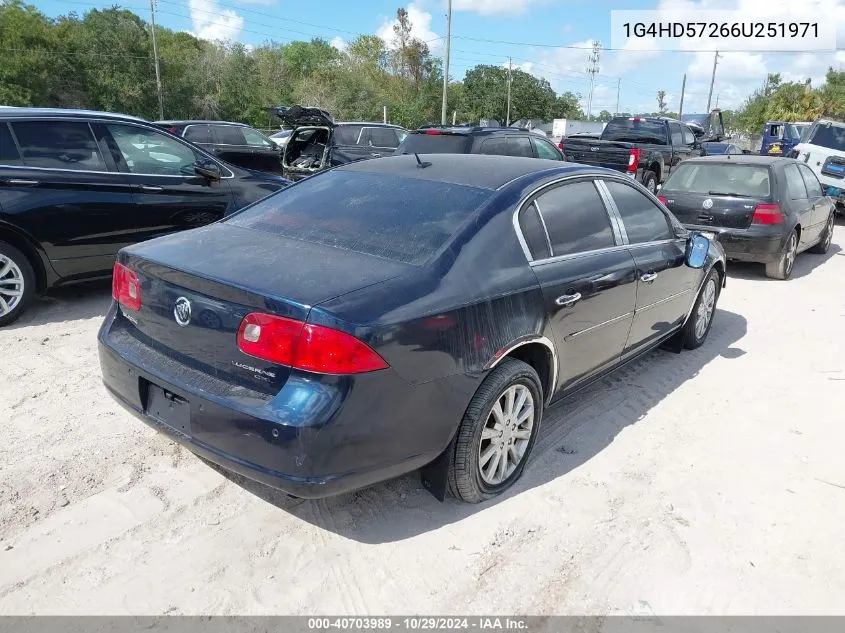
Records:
x=814, y=188
x=576, y=219
x=497, y=146
x=795, y=183
x=520, y=146
x=357, y=211
x=643, y=220
x=59, y=145
x=534, y=233
x=677, y=134
x=382, y=137
x=546, y=150
x=8, y=151
x=228, y=135
x=422, y=143
x=347, y=134
x=197, y=134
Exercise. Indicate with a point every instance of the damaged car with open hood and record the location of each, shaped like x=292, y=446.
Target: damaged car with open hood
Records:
x=319, y=142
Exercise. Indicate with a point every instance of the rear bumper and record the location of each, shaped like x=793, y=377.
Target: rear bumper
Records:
x=318, y=437
x=761, y=244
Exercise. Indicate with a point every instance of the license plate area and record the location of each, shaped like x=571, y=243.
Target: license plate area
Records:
x=169, y=408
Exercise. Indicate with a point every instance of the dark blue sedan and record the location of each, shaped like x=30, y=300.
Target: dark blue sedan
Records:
x=405, y=313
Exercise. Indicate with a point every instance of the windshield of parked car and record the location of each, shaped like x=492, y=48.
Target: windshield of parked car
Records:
x=422, y=143
x=720, y=179
x=635, y=131
x=388, y=216
x=828, y=135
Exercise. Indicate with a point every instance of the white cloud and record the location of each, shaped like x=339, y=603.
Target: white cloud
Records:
x=212, y=22
x=493, y=7
x=339, y=43
x=420, y=28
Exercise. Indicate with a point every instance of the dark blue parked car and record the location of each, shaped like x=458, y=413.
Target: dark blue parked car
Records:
x=389, y=315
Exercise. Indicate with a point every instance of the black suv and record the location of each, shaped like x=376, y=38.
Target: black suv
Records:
x=319, y=142
x=77, y=186
x=504, y=141
x=234, y=143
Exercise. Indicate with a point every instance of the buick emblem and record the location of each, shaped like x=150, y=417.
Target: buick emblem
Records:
x=708, y=204
x=182, y=311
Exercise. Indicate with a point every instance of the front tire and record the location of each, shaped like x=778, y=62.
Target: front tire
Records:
x=497, y=432
x=782, y=267
x=17, y=283
x=701, y=319
x=827, y=237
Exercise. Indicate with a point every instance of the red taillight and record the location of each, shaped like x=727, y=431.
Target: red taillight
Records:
x=432, y=132
x=663, y=200
x=560, y=146
x=172, y=130
x=633, y=160
x=305, y=346
x=637, y=119
x=767, y=214
x=125, y=287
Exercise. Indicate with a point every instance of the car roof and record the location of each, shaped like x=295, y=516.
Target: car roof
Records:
x=16, y=112
x=447, y=130
x=368, y=124
x=742, y=159
x=472, y=170
x=200, y=122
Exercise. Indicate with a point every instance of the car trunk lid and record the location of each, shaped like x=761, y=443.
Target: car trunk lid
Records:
x=297, y=116
x=194, y=296
x=719, y=211
x=611, y=154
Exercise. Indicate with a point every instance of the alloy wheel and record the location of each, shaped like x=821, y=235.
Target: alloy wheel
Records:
x=11, y=285
x=789, y=255
x=706, y=308
x=506, y=435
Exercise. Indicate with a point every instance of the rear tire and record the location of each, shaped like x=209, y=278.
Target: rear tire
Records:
x=491, y=448
x=701, y=318
x=782, y=267
x=826, y=238
x=17, y=283
x=650, y=181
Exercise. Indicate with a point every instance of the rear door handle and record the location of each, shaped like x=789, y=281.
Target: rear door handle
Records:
x=567, y=301
x=648, y=277
x=151, y=188
x=21, y=182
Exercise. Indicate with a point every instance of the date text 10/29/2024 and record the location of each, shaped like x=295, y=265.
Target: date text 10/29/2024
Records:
x=717, y=30
x=418, y=623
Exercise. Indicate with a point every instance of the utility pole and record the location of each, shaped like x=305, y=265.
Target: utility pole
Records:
x=712, y=80
x=446, y=64
x=510, y=70
x=683, y=90
x=618, y=86
x=593, y=70
x=717, y=101
x=155, y=58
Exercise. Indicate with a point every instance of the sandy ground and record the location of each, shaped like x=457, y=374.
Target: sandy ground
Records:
x=710, y=482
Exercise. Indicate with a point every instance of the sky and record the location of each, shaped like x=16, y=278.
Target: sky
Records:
x=548, y=38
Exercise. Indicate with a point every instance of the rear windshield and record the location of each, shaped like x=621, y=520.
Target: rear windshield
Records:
x=392, y=217
x=829, y=136
x=628, y=131
x=720, y=178
x=434, y=144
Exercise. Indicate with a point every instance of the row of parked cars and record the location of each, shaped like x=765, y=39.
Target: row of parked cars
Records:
x=413, y=312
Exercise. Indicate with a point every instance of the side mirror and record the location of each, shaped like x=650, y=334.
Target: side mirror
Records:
x=208, y=169
x=697, y=247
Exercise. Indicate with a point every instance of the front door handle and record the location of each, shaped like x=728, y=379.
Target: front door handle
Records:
x=376, y=155
x=567, y=301
x=151, y=188
x=648, y=278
